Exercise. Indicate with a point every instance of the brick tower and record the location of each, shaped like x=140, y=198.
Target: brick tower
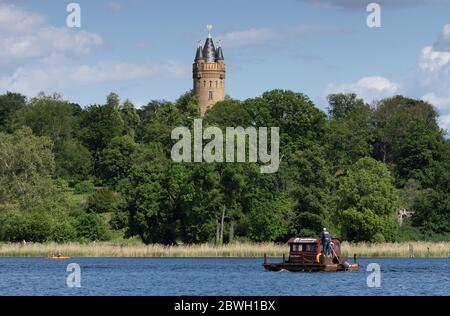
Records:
x=209, y=72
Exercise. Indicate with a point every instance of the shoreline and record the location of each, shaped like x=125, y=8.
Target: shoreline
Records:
x=209, y=251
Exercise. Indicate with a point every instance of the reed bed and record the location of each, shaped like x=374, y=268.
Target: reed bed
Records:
x=237, y=250
x=397, y=250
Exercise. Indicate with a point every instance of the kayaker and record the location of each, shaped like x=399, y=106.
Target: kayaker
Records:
x=326, y=242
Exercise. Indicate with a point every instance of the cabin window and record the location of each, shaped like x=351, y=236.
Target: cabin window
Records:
x=309, y=247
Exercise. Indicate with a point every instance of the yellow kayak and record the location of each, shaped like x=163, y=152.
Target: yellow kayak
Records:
x=59, y=257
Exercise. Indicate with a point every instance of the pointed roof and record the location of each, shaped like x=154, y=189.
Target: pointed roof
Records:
x=219, y=53
x=209, y=51
x=199, y=55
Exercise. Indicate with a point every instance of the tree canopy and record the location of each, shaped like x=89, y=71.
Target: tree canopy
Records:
x=104, y=171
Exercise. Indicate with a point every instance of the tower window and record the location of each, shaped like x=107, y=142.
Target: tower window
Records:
x=217, y=84
x=211, y=96
x=210, y=84
x=204, y=83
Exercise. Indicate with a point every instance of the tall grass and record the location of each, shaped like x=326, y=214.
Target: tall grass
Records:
x=398, y=250
x=142, y=251
x=238, y=250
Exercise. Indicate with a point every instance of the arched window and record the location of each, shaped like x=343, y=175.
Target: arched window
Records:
x=211, y=96
x=210, y=84
x=204, y=84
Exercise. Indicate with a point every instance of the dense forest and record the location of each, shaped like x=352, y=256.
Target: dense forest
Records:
x=104, y=172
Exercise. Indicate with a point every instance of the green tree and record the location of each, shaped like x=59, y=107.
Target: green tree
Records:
x=228, y=113
x=47, y=116
x=103, y=201
x=200, y=198
x=73, y=161
x=130, y=118
x=350, y=131
x=26, y=169
x=36, y=225
x=300, y=122
x=10, y=103
x=157, y=122
x=341, y=105
x=433, y=212
x=99, y=124
x=116, y=160
x=367, y=193
x=91, y=227
x=188, y=104
x=407, y=136
x=149, y=203
x=271, y=220
x=310, y=184
x=432, y=204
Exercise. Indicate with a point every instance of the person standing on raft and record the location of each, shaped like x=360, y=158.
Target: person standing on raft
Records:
x=326, y=242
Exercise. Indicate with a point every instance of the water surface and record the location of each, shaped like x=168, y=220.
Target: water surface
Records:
x=113, y=276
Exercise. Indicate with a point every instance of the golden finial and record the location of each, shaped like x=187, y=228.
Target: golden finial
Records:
x=209, y=27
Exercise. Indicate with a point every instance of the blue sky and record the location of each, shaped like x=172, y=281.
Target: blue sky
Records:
x=144, y=50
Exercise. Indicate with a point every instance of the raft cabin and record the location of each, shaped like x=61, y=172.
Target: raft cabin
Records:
x=308, y=255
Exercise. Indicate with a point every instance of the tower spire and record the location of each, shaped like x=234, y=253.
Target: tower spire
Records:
x=209, y=51
x=199, y=55
x=219, y=52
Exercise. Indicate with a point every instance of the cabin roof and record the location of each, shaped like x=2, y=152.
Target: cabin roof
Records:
x=298, y=240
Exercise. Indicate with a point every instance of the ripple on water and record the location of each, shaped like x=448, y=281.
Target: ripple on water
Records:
x=116, y=276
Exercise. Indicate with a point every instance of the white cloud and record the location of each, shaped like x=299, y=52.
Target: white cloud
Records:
x=434, y=71
x=444, y=122
x=441, y=103
x=432, y=61
x=443, y=43
x=257, y=36
x=368, y=88
x=430, y=81
x=36, y=56
x=120, y=71
x=32, y=37
x=57, y=72
x=10, y=15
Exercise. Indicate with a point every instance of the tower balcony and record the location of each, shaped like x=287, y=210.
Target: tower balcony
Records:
x=218, y=66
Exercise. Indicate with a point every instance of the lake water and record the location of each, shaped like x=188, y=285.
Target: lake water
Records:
x=230, y=277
